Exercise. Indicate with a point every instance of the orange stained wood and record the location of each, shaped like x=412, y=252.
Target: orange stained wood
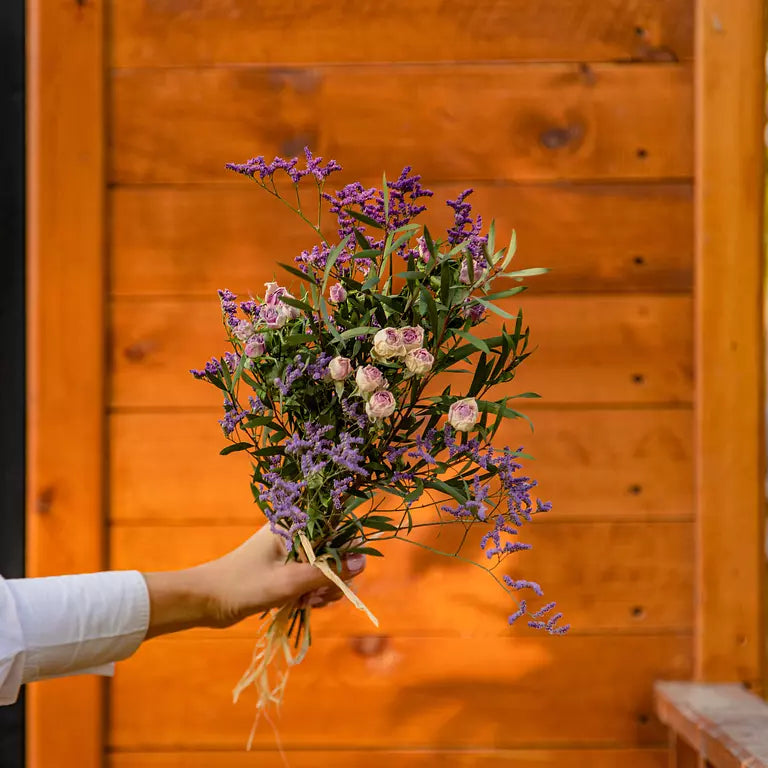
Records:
x=194, y=240
x=640, y=582
x=405, y=692
x=475, y=758
x=590, y=350
x=592, y=464
x=215, y=32
x=538, y=123
x=730, y=435
x=65, y=302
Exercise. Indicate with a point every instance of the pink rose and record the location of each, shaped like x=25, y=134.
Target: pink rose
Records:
x=424, y=253
x=463, y=414
x=412, y=338
x=388, y=342
x=381, y=405
x=339, y=368
x=274, y=298
x=337, y=293
x=256, y=346
x=419, y=361
x=369, y=378
x=272, y=316
x=477, y=268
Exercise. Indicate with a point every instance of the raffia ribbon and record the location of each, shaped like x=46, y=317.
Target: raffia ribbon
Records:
x=321, y=563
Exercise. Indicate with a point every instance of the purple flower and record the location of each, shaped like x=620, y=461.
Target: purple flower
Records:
x=523, y=584
x=519, y=613
x=346, y=454
x=256, y=346
x=228, y=306
x=465, y=228
x=212, y=368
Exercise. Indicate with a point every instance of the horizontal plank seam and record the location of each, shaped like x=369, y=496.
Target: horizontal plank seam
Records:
x=599, y=64
x=480, y=749
x=685, y=182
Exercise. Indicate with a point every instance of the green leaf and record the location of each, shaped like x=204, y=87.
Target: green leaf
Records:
x=520, y=273
x=332, y=256
x=474, y=341
x=504, y=294
x=328, y=322
x=363, y=551
x=443, y=487
x=445, y=281
x=412, y=275
x=297, y=339
x=359, y=331
x=297, y=272
x=302, y=305
x=493, y=308
x=365, y=219
x=525, y=394
x=510, y=251
x=490, y=246
x=235, y=447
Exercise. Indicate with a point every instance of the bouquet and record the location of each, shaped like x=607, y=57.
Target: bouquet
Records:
x=368, y=395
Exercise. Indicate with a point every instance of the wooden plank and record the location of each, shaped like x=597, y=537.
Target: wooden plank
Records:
x=538, y=122
x=65, y=301
x=634, y=349
x=215, y=32
x=529, y=758
x=642, y=581
x=592, y=465
x=724, y=723
x=193, y=240
x=405, y=693
x=729, y=306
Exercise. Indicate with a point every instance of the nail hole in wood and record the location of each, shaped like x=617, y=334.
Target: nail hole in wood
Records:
x=638, y=612
x=635, y=490
x=638, y=378
x=642, y=153
x=639, y=260
x=643, y=719
x=640, y=31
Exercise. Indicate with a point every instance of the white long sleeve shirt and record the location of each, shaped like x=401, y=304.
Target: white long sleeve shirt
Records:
x=68, y=625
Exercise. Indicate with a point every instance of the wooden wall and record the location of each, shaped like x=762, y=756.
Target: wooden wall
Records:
x=573, y=121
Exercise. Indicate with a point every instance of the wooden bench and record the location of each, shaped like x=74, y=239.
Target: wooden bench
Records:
x=718, y=725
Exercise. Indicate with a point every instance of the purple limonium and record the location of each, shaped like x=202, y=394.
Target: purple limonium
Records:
x=250, y=308
x=229, y=306
x=346, y=454
x=424, y=446
x=462, y=218
x=212, y=368
x=281, y=497
x=518, y=584
x=340, y=485
x=318, y=369
x=354, y=410
x=230, y=421
x=404, y=194
x=519, y=613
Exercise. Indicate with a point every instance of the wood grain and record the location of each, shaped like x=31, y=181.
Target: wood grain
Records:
x=215, y=32
x=589, y=350
x=408, y=693
x=729, y=310
x=724, y=723
x=642, y=580
x=538, y=123
x=593, y=465
x=611, y=238
x=65, y=301
x=474, y=758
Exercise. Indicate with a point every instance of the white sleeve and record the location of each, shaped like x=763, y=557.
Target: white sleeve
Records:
x=65, y=625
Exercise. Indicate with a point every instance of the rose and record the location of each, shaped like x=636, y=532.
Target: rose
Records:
x=478, y=269
x=256, y=346
x=272, y=316
x=463, y=414
x=337, y=293
x=419, y=361
x=244, y=330
x=339, y=368
x=381, y=405
x=412, y=338
x=369, y=378
x=274, y=298
x=388, y=342
x=423, y=250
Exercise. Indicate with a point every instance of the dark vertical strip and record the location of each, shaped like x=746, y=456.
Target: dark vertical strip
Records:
x=12, y=332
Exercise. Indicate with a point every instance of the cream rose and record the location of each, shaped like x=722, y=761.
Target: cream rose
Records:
x=273, y=316
x=419, y=361
x=339, y=368
x=463, y=414
x=388, y=342
x=413, y=338
x=380, y=405
x=369, y=378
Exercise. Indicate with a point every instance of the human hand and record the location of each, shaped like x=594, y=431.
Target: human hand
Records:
x=251, y=579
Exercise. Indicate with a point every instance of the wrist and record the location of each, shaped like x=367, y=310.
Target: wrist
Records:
x=177, y=601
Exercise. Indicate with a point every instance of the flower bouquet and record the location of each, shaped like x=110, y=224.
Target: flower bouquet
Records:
x=344, y=392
